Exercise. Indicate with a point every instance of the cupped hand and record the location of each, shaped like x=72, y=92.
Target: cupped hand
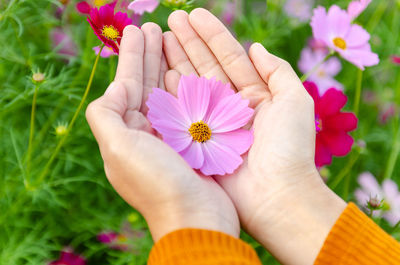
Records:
x=278, y=193
x=145, y=171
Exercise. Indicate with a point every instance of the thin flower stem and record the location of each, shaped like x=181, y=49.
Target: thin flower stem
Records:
x=71, y=124
x=32, y=129
x=345, y=171
x=394, y=153
x=315, y=68
x=357, y=94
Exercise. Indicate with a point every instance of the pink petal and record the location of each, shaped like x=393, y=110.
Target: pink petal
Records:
x=219, y=91
x=357, y=36
x=319, y=24
x=395, y=59
x=356, y=7
x=339, y=143
x=164, y=106
x=231, y=113
x=83, y=7
x=239, y=140
x=361, y=57
x=312, y=89
x=107, y=14
x=369, y=184
x=339, y=22
x=392, y=217
x=390, y=189
x=323, y=156
x=194, y=96
x=362, y=197
x=194, y=155
x=331, y=103
x=219, y=159
x=105, y=53
x=325, y=83
x=141, y=6
x=341, y=122
x=172, y=134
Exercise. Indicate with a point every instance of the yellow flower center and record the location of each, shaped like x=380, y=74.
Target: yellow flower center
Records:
x=110, y=32
x=99, y=3
x=321, y=73
x=340, y=43
x=200, y=132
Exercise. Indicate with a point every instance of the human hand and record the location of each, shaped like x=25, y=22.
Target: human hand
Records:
x=146, y=172
x=278, y=193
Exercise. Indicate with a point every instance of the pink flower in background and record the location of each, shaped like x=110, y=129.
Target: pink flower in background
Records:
x=105, y=53
x=108, y=26
x=229, y=12
x=388, y=192
x=332, y=125
x=317, y=45
x=300, y=9
x=68, y=257
x=114, y=240
x=349, y=40
x=386, y=111
x=204, y=124
x=84, y=7
x=141, y=6
x=323, y=76
x=396, y=59
x=63, y=43
x=355, y=8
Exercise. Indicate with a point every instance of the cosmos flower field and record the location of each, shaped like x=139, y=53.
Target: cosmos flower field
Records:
x=56, y=205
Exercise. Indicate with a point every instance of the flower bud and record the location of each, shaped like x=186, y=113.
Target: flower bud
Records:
x=61, y=129
x=38, y=77
x=175, y=4
x=374, y=203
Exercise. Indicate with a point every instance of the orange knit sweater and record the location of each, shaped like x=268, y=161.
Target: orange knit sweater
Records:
x=354, y=239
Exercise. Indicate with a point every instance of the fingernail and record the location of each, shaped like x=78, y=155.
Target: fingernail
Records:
x=109, y=88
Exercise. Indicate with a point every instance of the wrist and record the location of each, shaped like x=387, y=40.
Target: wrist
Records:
x=299, y=220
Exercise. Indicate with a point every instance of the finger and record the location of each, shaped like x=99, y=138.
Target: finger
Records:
x=172, y=78
x=152, y=59
x=277, y=73
x=130, y=65
x=229, y=53
x=163, y=71
x=107, y=112
x=176, y=56
x=200, y=56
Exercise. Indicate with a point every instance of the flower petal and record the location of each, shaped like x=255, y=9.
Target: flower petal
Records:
x=357, y=36
x=319, y=23
x=141, y=6
x=362, y=197
x=369, y=184
x=343, y=121
x=219, y=159
x=173, y=134
x=339, y=22
x=239, y=140
x=330, y=103
x=194, y=96
x=194, y=155
x=339, y=143
x=231, y=113
x=390, y=189
x=83, y=7
x=323, y=155
x=361, y=57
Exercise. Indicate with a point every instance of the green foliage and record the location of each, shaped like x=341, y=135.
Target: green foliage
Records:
x=74, y=202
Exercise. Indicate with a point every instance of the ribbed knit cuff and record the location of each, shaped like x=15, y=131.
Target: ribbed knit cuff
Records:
x=356, y=239
x=197, y=246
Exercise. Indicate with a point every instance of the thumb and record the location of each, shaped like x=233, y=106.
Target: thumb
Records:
x=277, y=73
x=105, y=114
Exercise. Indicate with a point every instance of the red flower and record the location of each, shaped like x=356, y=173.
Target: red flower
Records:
x=396, y=59
x=68, y=257
x=84, y=7
x=108, y=26
x=331, y=124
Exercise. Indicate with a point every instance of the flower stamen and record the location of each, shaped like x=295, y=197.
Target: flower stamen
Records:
x=340, y=43
x=110, y=32
x=200, y=132
x=318, y=124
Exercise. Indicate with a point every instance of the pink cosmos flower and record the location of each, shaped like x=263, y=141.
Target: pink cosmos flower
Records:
x=396, y=59
x=349, y=40
x=323, y=76
x=84, y=7
x=141, y=6
x=300, y=9
x=331, y=124
x=68, y=257
x=228, y=14
x=108, y=26
x=204, y=124
x=356, y=7
x=105, y=53
x=388, y=192
x=63, y=43
x=317, y=45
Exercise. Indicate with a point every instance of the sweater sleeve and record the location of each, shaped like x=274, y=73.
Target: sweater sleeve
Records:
x=356, y=239
x=197, y=246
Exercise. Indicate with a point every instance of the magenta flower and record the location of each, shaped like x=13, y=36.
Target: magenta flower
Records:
x=388, y=192
x=68, y=257
x=396, y=59
x=84, y=7
x=387, y=111
x=108, y=26
x=355, y=8
x=63, y=43
x=331, y=124
x=323, y=76
x=204, y=124
x=229, y=12
x=300, y=9
x=141, y=6
x=105, y=53
x=349, y=40
x=114, y=240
